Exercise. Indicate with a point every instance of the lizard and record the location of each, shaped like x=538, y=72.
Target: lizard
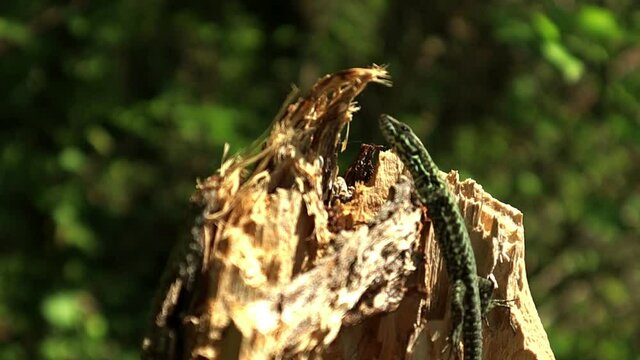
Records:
x=471, y=294
x=176, y=290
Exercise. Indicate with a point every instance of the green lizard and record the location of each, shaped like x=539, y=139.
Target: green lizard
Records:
x=471, y=294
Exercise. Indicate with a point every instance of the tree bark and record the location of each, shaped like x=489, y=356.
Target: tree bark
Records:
x=299, y=263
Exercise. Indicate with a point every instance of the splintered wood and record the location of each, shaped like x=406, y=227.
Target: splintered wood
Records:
x=300, y=264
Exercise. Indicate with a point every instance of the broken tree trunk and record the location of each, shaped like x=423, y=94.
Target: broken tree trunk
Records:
x=298, y=262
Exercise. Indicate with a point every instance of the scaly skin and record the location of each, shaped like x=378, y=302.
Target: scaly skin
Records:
x=451, y=234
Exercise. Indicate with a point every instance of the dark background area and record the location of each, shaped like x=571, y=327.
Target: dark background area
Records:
x=109, y=111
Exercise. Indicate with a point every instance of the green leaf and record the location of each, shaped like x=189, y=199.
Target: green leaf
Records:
x=71, y=159
x=64, y=309
x=588, y=49
x=100, y=139
x=514, y=31
x=96, y=326
x=571, y=67
x=14, y=31
x=546, y=28
x=246, y=37
x=599, y=23
x=70, y=229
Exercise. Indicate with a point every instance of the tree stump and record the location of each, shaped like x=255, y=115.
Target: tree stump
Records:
x=298, y=262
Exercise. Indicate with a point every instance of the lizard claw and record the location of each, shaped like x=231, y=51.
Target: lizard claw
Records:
x=503, y=303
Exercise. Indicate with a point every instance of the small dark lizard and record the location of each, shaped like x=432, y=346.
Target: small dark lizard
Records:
x=471, y=294
x=162, y=340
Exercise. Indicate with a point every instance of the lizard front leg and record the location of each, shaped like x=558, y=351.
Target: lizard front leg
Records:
x=485, y=287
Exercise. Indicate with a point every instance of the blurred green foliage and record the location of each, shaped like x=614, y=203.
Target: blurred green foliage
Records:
x=111, y=110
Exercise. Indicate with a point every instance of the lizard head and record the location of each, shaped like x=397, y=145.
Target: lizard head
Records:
x=399, y=136
x=415, y=157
